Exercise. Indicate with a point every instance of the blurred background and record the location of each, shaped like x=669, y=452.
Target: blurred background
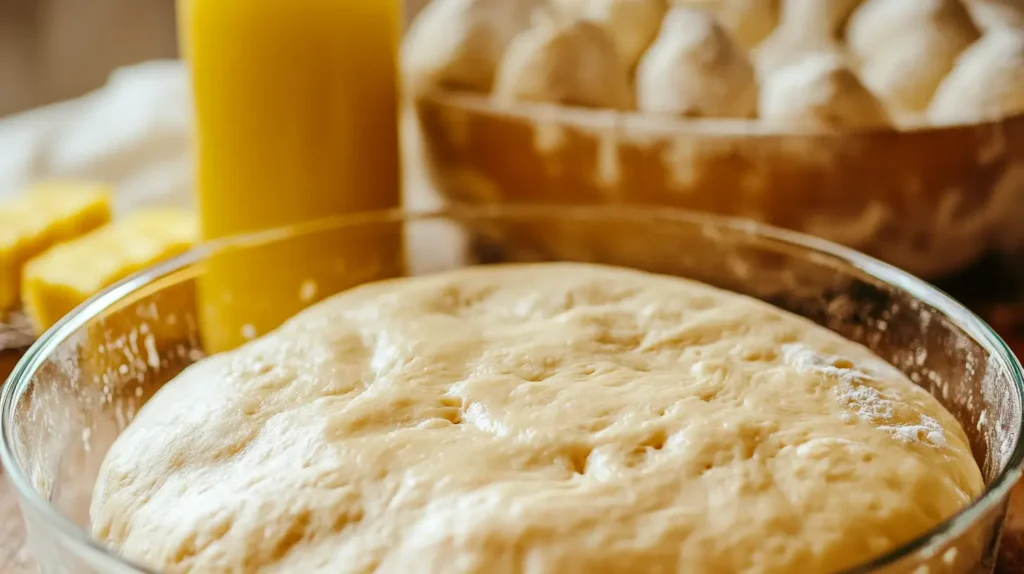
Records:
x=52, y=50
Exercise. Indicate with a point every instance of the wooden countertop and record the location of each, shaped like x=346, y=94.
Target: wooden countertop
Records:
x=13, y=557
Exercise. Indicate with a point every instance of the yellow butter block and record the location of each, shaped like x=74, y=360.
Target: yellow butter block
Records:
x=46, y=215
x=64, y=277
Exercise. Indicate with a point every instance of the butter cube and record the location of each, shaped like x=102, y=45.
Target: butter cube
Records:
x=46, y=215
x=64, y=277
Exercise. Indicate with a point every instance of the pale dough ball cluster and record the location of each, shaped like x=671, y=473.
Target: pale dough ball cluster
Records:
x=890, y=63
x=457, y=44
x=541, y=419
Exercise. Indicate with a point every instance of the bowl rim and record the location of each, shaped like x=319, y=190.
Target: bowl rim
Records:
x=646, y=125
x=973, y=326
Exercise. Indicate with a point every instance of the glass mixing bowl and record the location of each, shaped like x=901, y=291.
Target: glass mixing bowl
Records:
x=81, y=383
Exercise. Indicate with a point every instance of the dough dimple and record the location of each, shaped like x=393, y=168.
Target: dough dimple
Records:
x=549, y=418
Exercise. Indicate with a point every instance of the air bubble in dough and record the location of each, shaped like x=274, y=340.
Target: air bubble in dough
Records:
x=905, y=47
x=805, y=27
x=819, y=91
x=573, y=63
x=987, y=81
x=695, y=68
x=458, y=43
x=632, y=24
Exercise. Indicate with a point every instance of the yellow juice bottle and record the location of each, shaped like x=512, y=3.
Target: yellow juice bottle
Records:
x=295, y=119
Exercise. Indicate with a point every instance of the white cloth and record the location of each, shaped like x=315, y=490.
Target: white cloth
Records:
x=133, y=133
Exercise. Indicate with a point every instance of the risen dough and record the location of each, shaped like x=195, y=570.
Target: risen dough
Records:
x=986, y=83
x=458, y=43
x=541, y=419
x=695, y=68
x=565, y=62
x=819, y=91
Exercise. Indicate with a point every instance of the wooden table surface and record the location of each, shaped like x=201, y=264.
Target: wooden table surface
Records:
x=13, y=558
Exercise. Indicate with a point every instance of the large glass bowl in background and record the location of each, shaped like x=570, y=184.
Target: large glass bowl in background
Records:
x=81, y=383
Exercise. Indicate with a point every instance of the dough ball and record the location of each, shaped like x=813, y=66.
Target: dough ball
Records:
x=573, y=63
x=820, y=91
x=632, y=24
x=553, y=418
x=905, y=47
x=805, y=27
x=989, y=14
x=987, y=81
x=457, y=44
x=875, y=22
x=906, y=76
x=695, y=68
x=749, y=21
